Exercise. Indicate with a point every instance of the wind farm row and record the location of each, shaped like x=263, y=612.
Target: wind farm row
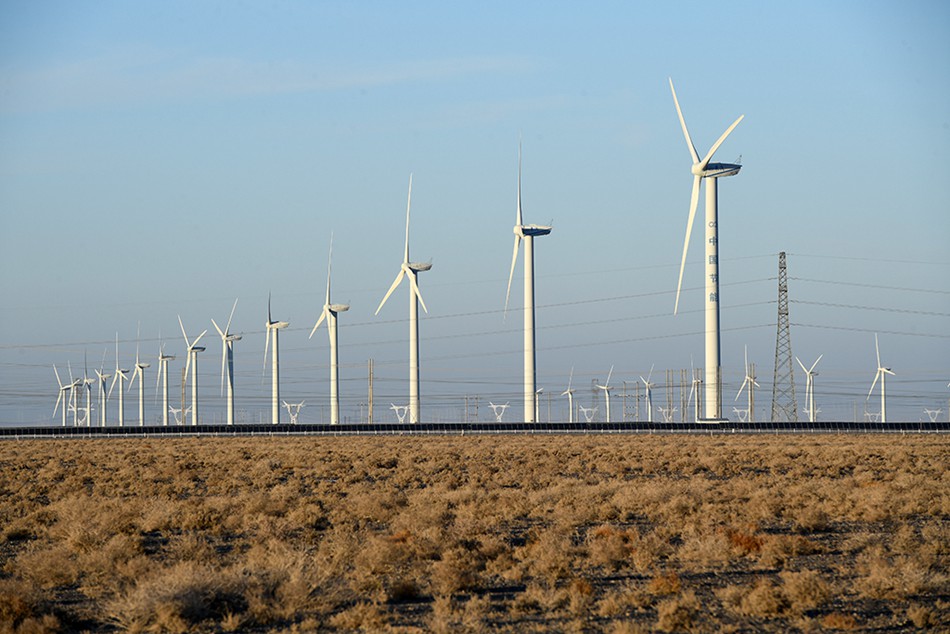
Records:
x=706, y=385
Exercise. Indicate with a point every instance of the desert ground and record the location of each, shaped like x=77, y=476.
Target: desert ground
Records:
x=615, y=534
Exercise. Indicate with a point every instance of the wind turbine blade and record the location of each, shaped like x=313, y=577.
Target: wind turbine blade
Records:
x=114, y=379
x=716, y=145
x=266, y=346
x=269, y=320
x=216, y=327
x=514, y=260
x=402, y=272
x=744, y=383
x=571, y=379
x=188, y=364
x=609, y=374
x=877, y=375
x=816, y=362
x=183, y=334
x=408, y=206
x=746, y=352
x=57, y=377
x=416, y=291
x=323, y=316
x=679, y=113
x=158, y=375
x=227, y=328
x=651, y=372
x=802, y=364
x=693, y=202
x=70, y=368
x=519, y=219
x=877, y=350
x=198, y=338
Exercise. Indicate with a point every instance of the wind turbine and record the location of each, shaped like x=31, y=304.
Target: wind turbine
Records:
x=119, y=375
x=749, y=384
x=528, y=234
x=87, y=385
x=569, y=393
x=139, y=372
x=272, y=329
x=711, y=172
x=227, y=359
x=810, y=375
x=193, y=349
x=649, y=389
x=65, y=394
x=163, y=360
x=411, y=270
x=329, y=314
x=102, y=378
x=881, y=372
x=606, y=388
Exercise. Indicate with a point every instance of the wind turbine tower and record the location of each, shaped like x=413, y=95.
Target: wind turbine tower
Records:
x=163, y=360
x=411, y=270
x=649, y=393
x=102, y=379
x=329, y=314
x=139, y=372
x=703, y=169
x=192, y=363
x=119, y=375
x=527, y=233
x=227, y=359
x=569, y=393
x=272, y=330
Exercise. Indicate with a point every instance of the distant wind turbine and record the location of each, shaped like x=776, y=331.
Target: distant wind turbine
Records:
x=410, y=270
x=606, y=388
x=227, y=360
x=711, y=172
x=749, y=384
x=528, y=234
x=649, y=393
x=193, y=349
x=881, y=373
x=139, y=372
x=272, y=330
x=810, y=375
x=162, y=377
x=119, y=375
x=65, y=394
x=329, y=314
x=102, y=378
x=569, y=393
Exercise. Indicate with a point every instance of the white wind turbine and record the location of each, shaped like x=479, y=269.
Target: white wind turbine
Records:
x=65, y=394
x=87, y=382
x=569, y=393
x=162, y=379
x=193, y=349
x=528, y=234
x=649, y=393
x=272, y=330
x=810, y=375
x=329, y=314
x=139, y=372
x=606, y=388
x=102, y=379
x=749, y=384
x=119, y=375
x=711, y=172
x=881, y=372
x=227, y=359
x=411, y=270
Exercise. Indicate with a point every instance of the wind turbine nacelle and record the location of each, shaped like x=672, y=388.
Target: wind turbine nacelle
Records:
x=420, y=266
x=721, y=170
x=198, y=349
x=230, y=338
x=535, y=230
x=339, y=308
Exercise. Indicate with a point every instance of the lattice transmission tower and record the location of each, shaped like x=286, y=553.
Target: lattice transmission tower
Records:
x=784, y=404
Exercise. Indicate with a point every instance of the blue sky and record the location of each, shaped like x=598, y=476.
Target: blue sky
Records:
x=159, y=159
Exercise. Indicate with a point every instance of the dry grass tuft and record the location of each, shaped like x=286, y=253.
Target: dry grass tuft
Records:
x=678, y=614
x=664, y=584
x=839, y=621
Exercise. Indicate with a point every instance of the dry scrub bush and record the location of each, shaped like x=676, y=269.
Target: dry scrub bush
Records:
x=678, y=614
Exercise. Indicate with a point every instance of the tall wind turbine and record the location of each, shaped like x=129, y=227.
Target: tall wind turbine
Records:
x=86, y=383
x=227, y=359
x=881, y=372
x=163, y=360
x=749, y=384
x=119, y=375
x=65, y=394
x=528, y=234
x=606, y=388
x=139, y=372
x=329, y=314
x=411, y=270
x=810, y=375
x=102, y=377
x=649, y=393
x=272, y=328
x=711, y=172
x=569, y=393
x=193, y=349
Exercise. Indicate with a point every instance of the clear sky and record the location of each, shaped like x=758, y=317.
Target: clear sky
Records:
x=164, y=158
